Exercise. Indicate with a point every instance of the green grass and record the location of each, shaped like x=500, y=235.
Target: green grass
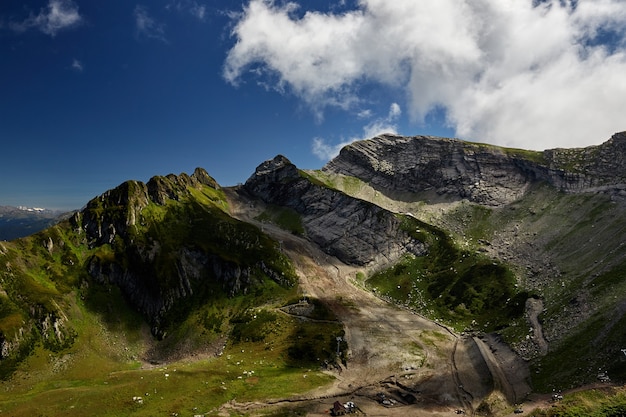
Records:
x=95, y=368
x=533, y=156
x=462, y=288
x=343, y=183
x=609, y=402
x=243, y=373
x=286, y=218
x=601, y=353
x=100, y=374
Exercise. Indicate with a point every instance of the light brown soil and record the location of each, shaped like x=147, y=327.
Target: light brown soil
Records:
x=422, y=367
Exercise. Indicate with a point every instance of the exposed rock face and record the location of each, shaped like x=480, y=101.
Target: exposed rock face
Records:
x=152, y=299
x=355, y=231
x=599, y=168
x=137, y=267
x=480, y=173
x=128, y=199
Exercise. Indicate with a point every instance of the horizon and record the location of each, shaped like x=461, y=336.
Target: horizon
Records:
x=60, y=210
x=98, y=94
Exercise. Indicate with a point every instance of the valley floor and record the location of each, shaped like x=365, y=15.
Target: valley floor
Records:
x=421, y=368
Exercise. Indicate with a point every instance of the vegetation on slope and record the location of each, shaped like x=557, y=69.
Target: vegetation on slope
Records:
x=462, y=288
x=567, y=251
x=609, y=402
x=100, y=377
x=284, y=217
x=72, y=343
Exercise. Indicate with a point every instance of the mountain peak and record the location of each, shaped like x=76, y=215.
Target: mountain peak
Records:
x=486, y=174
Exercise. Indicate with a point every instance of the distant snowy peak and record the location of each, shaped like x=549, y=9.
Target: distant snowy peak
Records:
x=33, y=209
x=16, y=222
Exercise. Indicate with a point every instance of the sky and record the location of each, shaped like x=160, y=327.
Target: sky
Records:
x=94, y=93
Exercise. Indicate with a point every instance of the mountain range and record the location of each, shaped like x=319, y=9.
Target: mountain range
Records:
x=16, y=222
x=432, y=273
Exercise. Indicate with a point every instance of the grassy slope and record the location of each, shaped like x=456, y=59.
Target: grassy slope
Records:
x=464, y=289
x=454, y=282
x=565, y=248
x=607, y=402
x=100, y=377
x=580, y=237
x=97, y=368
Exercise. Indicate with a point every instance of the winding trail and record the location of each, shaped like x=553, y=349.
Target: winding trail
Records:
x=393, y=351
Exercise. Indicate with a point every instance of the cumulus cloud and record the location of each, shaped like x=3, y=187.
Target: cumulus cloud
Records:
x=524, y=73
x=58, y=15
x=146, y=26
x=325, y=150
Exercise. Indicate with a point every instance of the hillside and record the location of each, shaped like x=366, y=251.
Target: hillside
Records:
x=555, y=217
x=442, y=273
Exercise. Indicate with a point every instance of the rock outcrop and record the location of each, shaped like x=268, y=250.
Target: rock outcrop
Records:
x=155, y=271
x=194, y=272
x=483, y=174
x=355, y=231
x=117, y=209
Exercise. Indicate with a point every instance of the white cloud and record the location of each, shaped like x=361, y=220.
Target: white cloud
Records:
x=58, y=15
x=325, y=151
x=146, y=26
x=504, y=71
x=77, y=65
x=364, y=114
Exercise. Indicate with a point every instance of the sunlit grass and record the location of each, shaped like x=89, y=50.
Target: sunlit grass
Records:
x=102, y=373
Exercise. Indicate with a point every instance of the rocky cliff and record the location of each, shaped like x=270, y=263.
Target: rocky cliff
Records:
x=353, y=230
x=160, y=245
x=484, y=174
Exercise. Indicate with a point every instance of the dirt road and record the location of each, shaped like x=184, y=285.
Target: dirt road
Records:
x=419, y=367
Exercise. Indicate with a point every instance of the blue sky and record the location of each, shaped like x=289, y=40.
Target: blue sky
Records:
x=96, y=93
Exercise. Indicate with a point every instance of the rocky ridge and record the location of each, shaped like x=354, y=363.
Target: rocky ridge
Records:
x=190, y=269
x=355, y=231
x=484, y=174
x=116, y=210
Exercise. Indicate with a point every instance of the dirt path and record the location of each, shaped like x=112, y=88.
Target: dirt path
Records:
x=534, y=307
x=421, y=367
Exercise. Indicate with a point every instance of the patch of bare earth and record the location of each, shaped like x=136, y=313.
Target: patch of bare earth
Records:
x=399, y=363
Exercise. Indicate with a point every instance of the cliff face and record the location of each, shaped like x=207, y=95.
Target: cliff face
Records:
x=483, y=174
x=355, y=231
x=160, y=245
x=116, y=210
x=599, y=168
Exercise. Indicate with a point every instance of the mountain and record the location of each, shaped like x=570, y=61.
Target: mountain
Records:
x=16, y=222
x=554, y=217
x=506, y=266
x=483, y=174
